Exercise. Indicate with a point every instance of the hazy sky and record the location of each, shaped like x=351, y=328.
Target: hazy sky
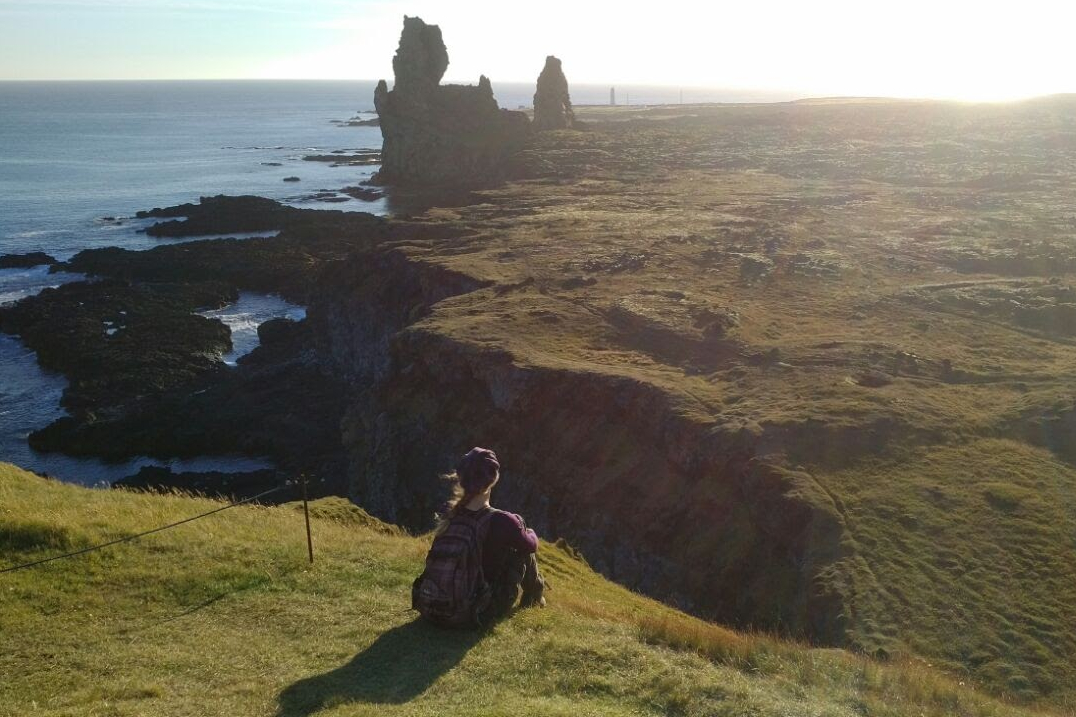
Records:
x=935, y=48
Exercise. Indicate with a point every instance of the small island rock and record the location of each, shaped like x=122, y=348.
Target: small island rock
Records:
x=25, y=261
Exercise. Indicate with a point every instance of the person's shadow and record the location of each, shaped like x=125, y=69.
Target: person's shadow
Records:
x=399, y=666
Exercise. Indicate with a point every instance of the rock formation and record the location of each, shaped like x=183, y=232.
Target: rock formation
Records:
x=552, y=105
x=25, y=261
x=437, y=134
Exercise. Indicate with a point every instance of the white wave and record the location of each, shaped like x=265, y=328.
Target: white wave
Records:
x=39, y=233
x=17, y=284
x=248, y=313
x=233, y=235
x=10, y=297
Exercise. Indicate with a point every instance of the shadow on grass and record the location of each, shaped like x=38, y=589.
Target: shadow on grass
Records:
x=399, y=666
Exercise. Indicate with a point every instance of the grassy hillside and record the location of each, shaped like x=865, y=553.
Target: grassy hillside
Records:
x=970, y=548
x=224, y=616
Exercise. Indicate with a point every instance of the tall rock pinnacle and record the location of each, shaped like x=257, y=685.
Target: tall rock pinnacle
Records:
x=440, y=134
x=421, y=60
x=552, y=105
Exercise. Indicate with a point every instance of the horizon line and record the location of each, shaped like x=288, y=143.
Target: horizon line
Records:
x=450, y=81
x=795, y=95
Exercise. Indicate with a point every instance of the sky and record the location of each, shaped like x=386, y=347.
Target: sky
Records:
x=913, y=48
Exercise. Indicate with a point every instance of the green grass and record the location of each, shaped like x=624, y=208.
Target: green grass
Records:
x=965, y=554
x=224, y=616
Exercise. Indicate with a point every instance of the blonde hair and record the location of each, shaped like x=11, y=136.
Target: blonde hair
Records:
x=476, y=473
x=456, y=502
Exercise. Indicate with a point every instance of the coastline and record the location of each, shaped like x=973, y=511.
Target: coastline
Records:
x=71, y=203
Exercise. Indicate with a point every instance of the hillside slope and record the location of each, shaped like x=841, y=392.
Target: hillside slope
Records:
x=224, y=616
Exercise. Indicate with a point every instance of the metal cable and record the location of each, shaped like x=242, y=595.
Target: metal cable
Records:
x=140, y=535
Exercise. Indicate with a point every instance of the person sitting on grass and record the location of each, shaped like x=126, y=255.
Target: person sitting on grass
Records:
x=482, y=559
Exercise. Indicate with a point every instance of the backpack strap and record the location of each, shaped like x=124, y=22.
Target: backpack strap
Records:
x=479, y=520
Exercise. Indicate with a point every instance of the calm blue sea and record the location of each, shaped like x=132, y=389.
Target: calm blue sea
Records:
x=78, y=159
x=72, y=153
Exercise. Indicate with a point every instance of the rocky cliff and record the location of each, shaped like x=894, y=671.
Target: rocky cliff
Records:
x=552, y=103
x=674, y=507
x=440, y=134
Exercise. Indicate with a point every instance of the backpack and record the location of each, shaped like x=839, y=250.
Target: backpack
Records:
x=452, y=590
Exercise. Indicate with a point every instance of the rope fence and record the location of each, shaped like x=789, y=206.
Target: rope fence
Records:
x=129, y=538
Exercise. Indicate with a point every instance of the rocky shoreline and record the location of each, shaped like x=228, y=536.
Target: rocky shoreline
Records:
x=144, y=369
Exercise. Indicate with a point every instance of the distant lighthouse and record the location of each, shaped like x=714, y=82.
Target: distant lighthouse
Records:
x=612, y=96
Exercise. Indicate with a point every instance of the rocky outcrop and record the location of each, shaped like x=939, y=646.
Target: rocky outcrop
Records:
x=25, y=261
x=440, y=134
x=233, y=486
x=285, y=264
x=116, y=341
x=552, y=104
x=222, y=214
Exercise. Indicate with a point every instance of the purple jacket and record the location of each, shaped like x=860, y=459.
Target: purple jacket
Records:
x=507, y=532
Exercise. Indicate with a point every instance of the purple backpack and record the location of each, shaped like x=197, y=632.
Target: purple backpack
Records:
x=452, y=591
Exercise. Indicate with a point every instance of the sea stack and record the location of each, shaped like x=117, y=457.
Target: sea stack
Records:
x=552, y=105
x=440, y=134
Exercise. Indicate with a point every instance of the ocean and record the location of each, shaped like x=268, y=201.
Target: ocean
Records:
x=79, y=159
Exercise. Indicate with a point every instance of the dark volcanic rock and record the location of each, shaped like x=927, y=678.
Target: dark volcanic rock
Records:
x=367, y=194
x=235, y=486
x=436, y=134
x=278, y=403
x=226, y=215
x=218, y=215
x=552, y=105
x=117, y=342
x=285, y=264
x=276, y=335
x=341, y=159
x=144, y=371
x=25, y=261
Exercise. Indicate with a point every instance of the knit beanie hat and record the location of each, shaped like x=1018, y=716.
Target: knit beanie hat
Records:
x=477, y=469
